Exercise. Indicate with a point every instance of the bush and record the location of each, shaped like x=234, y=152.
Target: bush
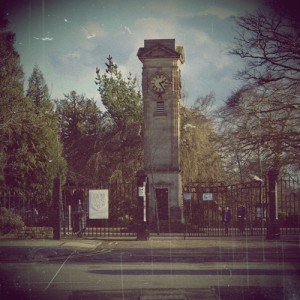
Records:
x=9, y=221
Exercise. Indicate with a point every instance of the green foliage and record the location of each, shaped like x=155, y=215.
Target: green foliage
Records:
x=119, y=96
x=9, y=221
x=81, y=130
x=33, y=151
x=122, y=152
x=48, y=145
x=30, y=153
x=11, y=74
x=200, y=159
x=38, y=90
x=33, y=155
x=103, y=146
x=11, y=89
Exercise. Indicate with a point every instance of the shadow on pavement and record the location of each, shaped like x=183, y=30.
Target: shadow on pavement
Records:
x=250, y=293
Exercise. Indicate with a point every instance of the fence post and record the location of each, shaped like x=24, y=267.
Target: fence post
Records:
x=142, y=230
x=56, y=208
x=273, y=229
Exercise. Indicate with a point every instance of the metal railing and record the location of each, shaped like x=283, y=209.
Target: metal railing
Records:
x=201, y=217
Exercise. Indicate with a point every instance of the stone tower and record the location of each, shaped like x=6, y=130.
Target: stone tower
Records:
x=161, y=85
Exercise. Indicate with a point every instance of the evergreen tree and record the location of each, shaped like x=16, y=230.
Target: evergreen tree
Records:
x=11, y=90
x=80, y=126
x=27, y=135
x=37, y=88
x=33, y=151
x=122, y=148
x=46, y=127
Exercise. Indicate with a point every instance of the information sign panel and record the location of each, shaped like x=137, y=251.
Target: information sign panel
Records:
x=207, y=197
x=98, y=204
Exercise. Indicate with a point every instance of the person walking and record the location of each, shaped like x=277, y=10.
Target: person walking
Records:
x=226, y=219
x=81, y=219
x=241, y=215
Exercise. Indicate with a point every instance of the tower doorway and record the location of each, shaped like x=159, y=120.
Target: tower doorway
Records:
x=162, y=197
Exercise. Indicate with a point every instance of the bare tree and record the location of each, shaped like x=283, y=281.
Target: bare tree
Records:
x=262, y=119
x=262, y=128
x=269, y=43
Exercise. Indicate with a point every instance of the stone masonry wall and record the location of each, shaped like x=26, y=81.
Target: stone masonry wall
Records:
x=31, y=233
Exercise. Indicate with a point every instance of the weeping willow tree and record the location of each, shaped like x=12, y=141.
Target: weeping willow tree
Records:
x=200, y=160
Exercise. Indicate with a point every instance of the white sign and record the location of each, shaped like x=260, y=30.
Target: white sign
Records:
x=98, y=204
x=187, y=196
x=141, y=191
x=207, y=196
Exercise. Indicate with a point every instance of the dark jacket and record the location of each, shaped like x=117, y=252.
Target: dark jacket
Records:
x=226, y=215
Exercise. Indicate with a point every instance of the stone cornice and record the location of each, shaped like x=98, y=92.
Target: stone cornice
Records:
x=162, y=52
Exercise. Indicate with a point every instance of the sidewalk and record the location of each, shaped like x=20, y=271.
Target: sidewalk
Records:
x=160, y=241
x=45, y=250
x=80, y=244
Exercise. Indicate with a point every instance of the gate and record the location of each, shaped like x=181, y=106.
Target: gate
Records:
x=203, y=206
x=121, y=219
x=205, y=203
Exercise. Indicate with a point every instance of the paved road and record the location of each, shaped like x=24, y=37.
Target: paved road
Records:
x=155, y=269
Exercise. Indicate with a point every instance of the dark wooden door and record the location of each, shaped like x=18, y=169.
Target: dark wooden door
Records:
x=162, y=204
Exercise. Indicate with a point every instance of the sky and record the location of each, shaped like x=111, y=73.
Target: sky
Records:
x=68, y=39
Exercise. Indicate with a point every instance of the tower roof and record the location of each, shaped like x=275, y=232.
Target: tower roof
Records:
x=161, y=48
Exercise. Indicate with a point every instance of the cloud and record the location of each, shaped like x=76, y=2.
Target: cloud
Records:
x=127, y=29
x=220, y=12
x=43, y=38
x=87, y=34
x=65, y=63
x=202, y=38
x=93, y=34
x=71, y=57
x=154, y=28
x=206, y=56
x=93, y=29
x=47, y=39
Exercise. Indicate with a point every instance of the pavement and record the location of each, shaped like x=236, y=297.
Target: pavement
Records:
x=165, y=241
x=159, y=241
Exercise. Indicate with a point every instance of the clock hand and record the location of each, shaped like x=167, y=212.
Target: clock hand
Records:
x=162, y=82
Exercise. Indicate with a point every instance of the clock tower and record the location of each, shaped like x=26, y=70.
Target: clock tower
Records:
x=161, y=84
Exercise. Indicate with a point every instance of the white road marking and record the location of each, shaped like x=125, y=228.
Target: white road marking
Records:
x=50, y=282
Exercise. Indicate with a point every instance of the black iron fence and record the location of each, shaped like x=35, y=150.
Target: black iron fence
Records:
x=205, y=203
x=203, y=208
x=121, y=220
x=34, y=209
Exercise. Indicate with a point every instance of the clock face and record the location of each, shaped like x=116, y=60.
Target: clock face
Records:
x=159, y=83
